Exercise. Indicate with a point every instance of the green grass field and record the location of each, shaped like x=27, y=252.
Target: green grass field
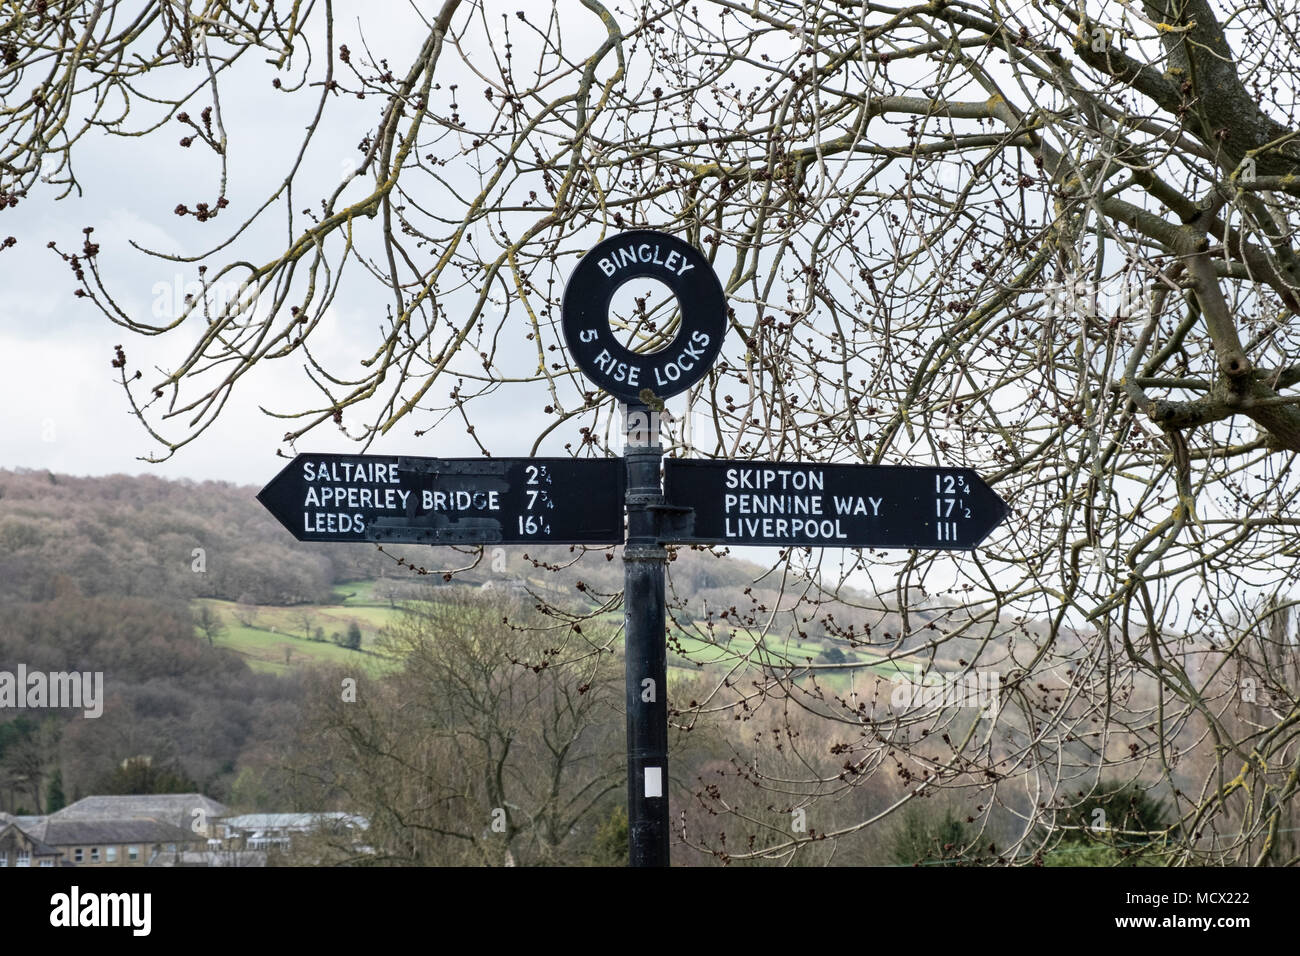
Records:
x=358, y=594
x=276, y=640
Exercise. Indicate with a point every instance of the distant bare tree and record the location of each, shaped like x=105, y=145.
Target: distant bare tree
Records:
x=246, y=614
x=208, y=620
x=491, y=745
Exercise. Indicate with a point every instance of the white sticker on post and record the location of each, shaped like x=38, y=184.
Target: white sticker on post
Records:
x=654, y=781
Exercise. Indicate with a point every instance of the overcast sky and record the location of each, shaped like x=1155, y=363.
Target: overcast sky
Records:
x=62, y=409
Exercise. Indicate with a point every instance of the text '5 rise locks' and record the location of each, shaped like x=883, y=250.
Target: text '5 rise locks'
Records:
x=634, y=376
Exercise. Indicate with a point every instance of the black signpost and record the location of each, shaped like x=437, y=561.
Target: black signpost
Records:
x=630, y=376
x=449, y=501
x=645, y=648
x=583, y=501
x=833, y=506
x=642, y=379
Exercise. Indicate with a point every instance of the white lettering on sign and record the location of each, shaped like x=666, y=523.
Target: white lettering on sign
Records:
x=391, y=499
x=760, y=479
x=684, y=361
x=341, y=496
x=788, y=503
x=631, y=255
x=344, y=472
x=332, y=522
x=460, y=500
x=773, y=504
x=857, y=505
x=619, y=371
x=950, y=503
x=813, y=530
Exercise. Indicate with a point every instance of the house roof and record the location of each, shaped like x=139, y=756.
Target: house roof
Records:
x=293, y=821
x=228, y=858
x=38, y=848
x=174, y=808
x=88, y=832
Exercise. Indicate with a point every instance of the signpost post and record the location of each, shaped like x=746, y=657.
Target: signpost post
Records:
x=583, y=501
x=641, y=380
x=645, y=646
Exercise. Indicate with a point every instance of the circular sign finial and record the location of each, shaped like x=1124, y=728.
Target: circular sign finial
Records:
x=640, y=254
